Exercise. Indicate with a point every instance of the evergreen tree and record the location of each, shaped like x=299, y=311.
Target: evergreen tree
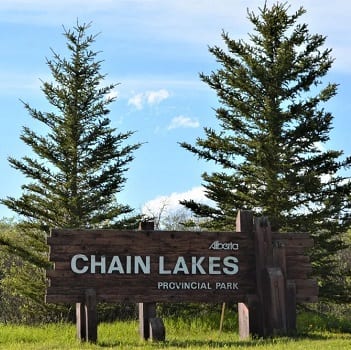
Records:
x=78, y=167
x=270, y=145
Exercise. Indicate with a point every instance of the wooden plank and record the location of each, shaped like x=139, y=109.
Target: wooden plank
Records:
x=141, y=297
x=170, y=291
x=182, y=289
x=296, y=268
x=291, y=307
x=65, y=255
x=185, y=288
x=297, y=259
x=69, y=233
x=290, y=235
x=146, y=281
x=190, y=290
x=300, y=271
x=291, y=238
x=106, y=237
x=307, y=299
x=62, y=269
x=295, y=250
x=306, y=291
x=279, y=257
x=294, y=240
x=153, y=275
x=306, y=287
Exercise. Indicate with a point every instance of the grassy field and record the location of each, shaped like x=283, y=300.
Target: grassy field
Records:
x=180, y=334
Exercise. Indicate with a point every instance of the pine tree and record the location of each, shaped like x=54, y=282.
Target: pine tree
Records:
x=78, y=167
x=271, y=142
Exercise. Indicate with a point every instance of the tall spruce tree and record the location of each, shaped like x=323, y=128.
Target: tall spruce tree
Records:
x=77, y=168
x=270, y=144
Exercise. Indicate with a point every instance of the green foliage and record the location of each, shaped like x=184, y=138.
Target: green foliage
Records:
x=270, y=144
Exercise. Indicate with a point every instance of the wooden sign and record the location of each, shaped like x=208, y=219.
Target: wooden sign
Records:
x=150, y=266
x=266, y=273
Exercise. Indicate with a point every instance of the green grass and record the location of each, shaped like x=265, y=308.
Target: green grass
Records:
x=180, y=334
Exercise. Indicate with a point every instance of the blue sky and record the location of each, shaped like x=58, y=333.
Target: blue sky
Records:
x=155, y=50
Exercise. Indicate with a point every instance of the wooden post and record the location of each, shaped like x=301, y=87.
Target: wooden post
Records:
x=150, y=327
x=80, y=321
x=273, y=310
x=291, y=307
x=244, y=222
x=248, y=317
x=221, y=322
x=277, y=297
x=279, y=256
x=244, y=321
x=147, y=311
x=247, y=312
x=157, y=329
x=275, y=302
x=264, y=257
x=86, y=315
x=90, y=315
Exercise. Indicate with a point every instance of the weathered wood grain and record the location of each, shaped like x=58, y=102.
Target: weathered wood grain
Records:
x=67, y=286
x=65, y=243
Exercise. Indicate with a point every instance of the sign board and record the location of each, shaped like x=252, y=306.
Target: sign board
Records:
x=151, y=266
x=267, y=273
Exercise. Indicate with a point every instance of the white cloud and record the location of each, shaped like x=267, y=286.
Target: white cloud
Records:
x=170, y=203
x=155, y=97
x=183, y=122
x=136, y=101
x=148, y=98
